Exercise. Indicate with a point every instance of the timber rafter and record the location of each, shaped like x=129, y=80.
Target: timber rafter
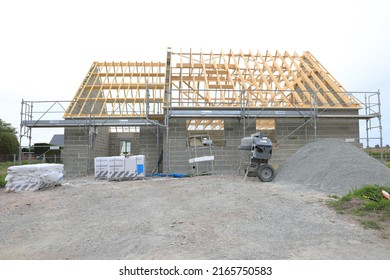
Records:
x=208, y=80
x=120, y=89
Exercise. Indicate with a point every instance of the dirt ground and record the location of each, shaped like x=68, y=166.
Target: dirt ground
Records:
x=208, y=217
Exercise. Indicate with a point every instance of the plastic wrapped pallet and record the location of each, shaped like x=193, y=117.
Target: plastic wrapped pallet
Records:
x=140, y=164
x=126, y=168
x=120, y=168
x=101, y=167
x=34, y=177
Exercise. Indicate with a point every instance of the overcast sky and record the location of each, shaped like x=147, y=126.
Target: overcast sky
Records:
x=47, y=46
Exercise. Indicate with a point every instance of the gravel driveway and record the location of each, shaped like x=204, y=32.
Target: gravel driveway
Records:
x=209, y=217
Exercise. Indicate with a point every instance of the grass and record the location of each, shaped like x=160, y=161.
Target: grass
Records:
x=3, y=172
x=370, y=224
x=2, y=180
x=367, y=201
x=372, y=197
x=377, y=154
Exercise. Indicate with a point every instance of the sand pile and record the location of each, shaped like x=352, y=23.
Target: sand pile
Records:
x=332, y=166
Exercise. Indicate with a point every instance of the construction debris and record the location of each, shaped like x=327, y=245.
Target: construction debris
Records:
x=332, y=166
x=386, y=194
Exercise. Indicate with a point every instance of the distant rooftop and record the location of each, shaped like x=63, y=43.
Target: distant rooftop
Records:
x=57, y=139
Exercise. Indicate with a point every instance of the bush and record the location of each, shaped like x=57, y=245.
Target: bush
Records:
x=41, y=148
x=51, y=156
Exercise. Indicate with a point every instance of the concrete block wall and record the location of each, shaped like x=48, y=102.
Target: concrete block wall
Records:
x=176, y=154
x=100, y=142
x=228, y=157
x=78, y=160
x=115, y=138
x=226, y=153
x=74, y=154
x=142, y=143
x=150, y=145
x=286, y=146
x=175, y=150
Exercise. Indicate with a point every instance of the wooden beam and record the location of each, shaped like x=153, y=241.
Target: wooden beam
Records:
x=289, y=86
x=206, y=65
x=121, y=86
x=131, y=74
x=306, y=79
x=335, y=87
x=220, y=86
x=144, y=64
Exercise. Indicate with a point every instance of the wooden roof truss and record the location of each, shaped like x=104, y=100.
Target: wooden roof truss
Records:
x=123, y=89
x=208, y=80
x=255, y=80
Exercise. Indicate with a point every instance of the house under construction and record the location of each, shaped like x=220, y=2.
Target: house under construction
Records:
x=161, y=109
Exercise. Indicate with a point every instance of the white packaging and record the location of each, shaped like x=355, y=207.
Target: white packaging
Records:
x=116, y=168
x=126, y=168
x=101, y=167
x=52, y=177
x=140, y=164
x=34, y=177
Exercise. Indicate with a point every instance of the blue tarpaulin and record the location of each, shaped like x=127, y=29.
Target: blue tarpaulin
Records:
x=174, y=175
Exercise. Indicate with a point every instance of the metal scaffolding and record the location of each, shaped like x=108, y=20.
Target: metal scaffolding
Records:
x=39, y=114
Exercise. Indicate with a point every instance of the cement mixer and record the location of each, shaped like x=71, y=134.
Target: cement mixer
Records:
x=260, y=148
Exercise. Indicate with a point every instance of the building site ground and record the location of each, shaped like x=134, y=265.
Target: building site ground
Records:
x=204, y=217
x=299, y=215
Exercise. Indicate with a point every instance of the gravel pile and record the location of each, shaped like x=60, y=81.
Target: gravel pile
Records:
x=332, y=166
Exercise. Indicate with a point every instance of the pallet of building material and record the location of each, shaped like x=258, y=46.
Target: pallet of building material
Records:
x=24, y=183
x=116, y=168
x=101, y=167
x=126, y=168
x=140, y=165
x=34, y=177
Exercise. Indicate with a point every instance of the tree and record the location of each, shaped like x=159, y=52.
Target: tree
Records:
x=9, y=143
x=6, y=127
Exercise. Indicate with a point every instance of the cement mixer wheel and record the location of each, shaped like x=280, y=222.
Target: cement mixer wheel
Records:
x=266, y=173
